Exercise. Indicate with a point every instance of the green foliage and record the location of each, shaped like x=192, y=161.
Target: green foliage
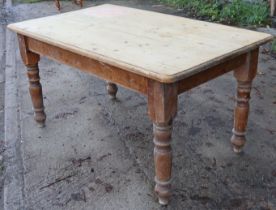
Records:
x=200, y=7
x=237, y=12
x=210, y=10
x=245, y=13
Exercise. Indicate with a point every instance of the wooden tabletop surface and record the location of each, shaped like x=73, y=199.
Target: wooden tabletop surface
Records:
x=162, y=47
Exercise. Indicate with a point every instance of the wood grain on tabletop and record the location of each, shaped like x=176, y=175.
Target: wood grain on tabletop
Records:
x=163, y=47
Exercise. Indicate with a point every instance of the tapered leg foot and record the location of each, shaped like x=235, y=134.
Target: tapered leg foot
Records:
x=35, y=89
x=112, y=89
x=238, y=141
x=40, y=119
x=163, y=202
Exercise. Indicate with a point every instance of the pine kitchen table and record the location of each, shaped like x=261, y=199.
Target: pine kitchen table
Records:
x=158, y=55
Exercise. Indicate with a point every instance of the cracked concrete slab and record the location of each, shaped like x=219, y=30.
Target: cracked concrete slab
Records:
x=96, y=153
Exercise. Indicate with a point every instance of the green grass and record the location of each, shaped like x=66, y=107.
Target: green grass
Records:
x=237, y=12
x=244, y=13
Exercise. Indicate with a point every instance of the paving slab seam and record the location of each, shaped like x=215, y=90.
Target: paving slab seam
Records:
x=13, y=183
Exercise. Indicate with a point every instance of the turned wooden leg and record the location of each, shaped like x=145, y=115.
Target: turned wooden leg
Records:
x=162, y=161
x=244, y=75
x=162, y=106
x=35, y=89
x=112, y=89
x=31, y=60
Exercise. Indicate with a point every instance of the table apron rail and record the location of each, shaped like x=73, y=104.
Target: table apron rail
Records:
x=125, y=78
x=104, y=71
x=211, y=73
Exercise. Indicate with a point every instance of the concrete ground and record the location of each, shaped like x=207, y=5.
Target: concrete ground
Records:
x=3, y=21
x=95, y=153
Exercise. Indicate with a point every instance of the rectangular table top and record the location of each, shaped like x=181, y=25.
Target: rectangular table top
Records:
x=162, y=47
